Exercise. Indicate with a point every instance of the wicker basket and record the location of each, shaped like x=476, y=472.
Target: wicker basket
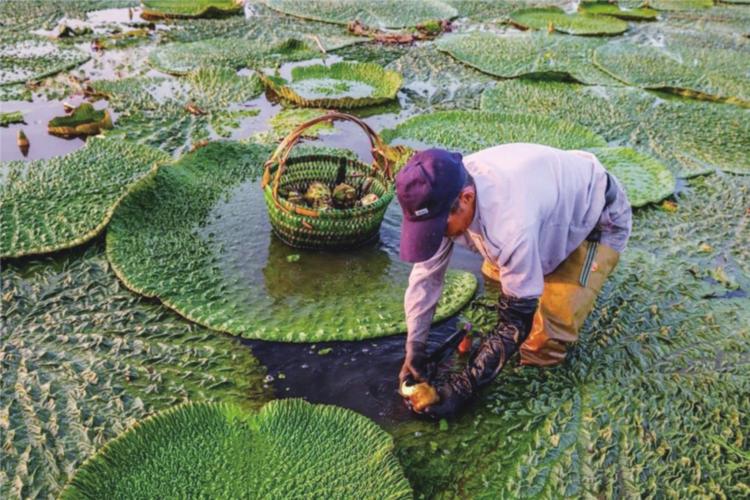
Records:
x=305, y=227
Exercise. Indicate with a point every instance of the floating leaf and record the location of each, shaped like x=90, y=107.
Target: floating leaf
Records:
x=690, y=137
x=645, y=179
x=340, y=85
x=699, y=137
x=10, y=118
x=719, y=74
x=470, y=131
x=234, y=53
x=173, y=114
x=672, y=5
x=434, y=78
x=59, y=203
x=23, y=60
x=604, y=7
x=613, y=112
x=83, y=359
x=219, y=451
x=286, y=120
x=541, y=18
x=374, y=13
x=159, y=9
x=538, y=54
x=225, y=271
x=84, y=120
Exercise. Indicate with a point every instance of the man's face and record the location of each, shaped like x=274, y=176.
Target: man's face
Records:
x=461, y=216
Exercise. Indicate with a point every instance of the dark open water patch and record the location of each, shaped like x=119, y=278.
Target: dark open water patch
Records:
x=361, y=376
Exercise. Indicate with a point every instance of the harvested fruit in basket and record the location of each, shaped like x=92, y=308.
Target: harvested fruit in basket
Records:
x=344, y=196
x=318, y=195
x=369, y=199
x=295, y=197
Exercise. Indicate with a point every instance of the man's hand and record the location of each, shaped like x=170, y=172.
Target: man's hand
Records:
x=416, y=365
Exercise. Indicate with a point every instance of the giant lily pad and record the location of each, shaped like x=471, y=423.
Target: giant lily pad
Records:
x=433, y=78
x=709, y=73
x=699, y=137
x=198, y=238
x=158, y=9
x=266, y=27
x=613, y=112
x=59, y=203
x=676, y=5
x=235, y=53
x=684, y=134
x=27, y=59
x=606, y=8
x=83, y=359
x=645, y=179
x=375, y=13
x=340, y=85
x=290, y=448
x=470, y=131
x=572, y=24
x=538, y=54
x=172, y=114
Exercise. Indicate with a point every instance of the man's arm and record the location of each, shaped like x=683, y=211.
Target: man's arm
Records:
x=522, y=284
x=420, y=301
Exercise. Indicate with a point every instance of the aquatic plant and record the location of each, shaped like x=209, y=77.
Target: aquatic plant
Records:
x=84, y=120
x=719, y=74
x=264, y=27
x=59, y=203
x=470, y=131
x=225, y=271
x=651, y=401
x=159, y=9
x=674, y=5
x=286, y=120
x=22, y=16
x=173, y=114
x=645, y=179
x=375, y=13
x=32, y=58
x=83, y=359
x=14, y=92
x=722, y=19
x=681, y=133
x=234, y=53
x=603, y=7
x=340, y=85
x=537, y=54
x=289, y=448
x=433, y=78
x=554, y=18
x=11, y=118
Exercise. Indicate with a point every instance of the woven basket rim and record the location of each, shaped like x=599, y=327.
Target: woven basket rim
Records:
x=339, y=213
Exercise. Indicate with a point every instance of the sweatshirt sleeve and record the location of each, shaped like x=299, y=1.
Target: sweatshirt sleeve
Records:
x=521, y=274
x=423, y=292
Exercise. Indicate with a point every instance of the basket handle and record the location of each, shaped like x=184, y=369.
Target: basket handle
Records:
x=378, y=149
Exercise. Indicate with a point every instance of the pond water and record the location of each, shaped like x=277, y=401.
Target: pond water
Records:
x=36, y=116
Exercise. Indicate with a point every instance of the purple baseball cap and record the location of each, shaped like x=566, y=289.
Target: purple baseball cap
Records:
x=426, y=188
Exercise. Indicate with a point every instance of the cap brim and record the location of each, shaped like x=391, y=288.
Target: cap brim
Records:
x=421, y=239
